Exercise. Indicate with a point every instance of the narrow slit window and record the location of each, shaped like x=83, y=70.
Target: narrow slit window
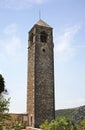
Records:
x=31, y=120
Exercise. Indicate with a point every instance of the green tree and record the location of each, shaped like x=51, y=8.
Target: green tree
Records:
x=62, y=124
x=82, y=125
x=45, y=126
x=17, y=126
x=4, y=108
x=2, y=84
x=59, y=124
x=4, y=104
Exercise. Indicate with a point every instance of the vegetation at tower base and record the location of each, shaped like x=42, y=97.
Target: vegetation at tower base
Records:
x=4, y=104
x=67, y=119
x=17, y=126
x=58, y=124
x=62, y=123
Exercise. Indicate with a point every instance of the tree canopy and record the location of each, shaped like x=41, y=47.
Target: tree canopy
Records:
x=62, y=123
x=4, y=104
x=2, y=84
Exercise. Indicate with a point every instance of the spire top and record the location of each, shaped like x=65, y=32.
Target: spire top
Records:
x=39, y=14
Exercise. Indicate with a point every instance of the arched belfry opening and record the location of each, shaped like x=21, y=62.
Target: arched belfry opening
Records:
x=43, y=36
x=40, y=80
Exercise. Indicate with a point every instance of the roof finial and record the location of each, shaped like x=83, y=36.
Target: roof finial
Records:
x=39, y=14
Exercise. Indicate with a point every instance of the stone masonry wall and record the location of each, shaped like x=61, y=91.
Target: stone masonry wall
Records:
x=31, y=84
x=44, y=79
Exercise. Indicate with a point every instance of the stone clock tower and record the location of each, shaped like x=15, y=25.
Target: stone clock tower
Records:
x=40, y=81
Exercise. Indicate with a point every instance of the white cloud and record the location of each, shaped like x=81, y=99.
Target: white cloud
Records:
x=19, y=4
x=63, y=43
x=10, y=29
x=11, y=45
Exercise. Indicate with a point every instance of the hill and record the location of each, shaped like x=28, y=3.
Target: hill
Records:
x=74, y=114
x=68, y=113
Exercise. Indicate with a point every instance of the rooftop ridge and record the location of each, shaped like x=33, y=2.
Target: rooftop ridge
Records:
x=42, y=23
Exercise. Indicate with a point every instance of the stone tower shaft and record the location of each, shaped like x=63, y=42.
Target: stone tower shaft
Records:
x=40, y=84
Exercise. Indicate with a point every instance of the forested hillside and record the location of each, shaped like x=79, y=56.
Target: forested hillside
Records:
x=74, y=114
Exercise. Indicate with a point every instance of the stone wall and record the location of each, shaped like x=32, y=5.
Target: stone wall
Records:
x=44, y=78
x=22, y=118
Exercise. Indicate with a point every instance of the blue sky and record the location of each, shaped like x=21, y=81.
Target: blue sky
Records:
x=67, y=17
